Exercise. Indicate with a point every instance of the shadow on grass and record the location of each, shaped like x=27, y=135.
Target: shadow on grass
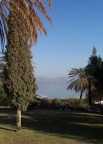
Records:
x=7, y=117
x=8, y=129
x=83, y=127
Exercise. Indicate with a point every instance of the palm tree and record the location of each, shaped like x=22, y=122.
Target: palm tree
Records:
x=78, y=81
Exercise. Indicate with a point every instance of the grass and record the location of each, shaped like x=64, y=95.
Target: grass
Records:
x=51, y=127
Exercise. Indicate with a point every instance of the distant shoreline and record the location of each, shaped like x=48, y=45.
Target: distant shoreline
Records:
x=63, y=97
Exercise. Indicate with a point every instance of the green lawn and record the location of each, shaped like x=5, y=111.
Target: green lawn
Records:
x=51, y=127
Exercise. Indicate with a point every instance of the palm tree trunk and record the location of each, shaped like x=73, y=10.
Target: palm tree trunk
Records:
x=80, y=98
x=18, y=119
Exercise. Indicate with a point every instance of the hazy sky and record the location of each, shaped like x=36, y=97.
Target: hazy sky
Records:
x=77, y=27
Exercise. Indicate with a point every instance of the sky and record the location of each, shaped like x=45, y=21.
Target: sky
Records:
x=77, y=28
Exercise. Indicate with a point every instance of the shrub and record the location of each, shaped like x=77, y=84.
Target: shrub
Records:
x=73, y=102
x=56, y=102
x=45, y=102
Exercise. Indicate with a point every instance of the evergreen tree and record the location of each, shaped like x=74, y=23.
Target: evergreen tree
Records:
x=94, y=71
x=19, y=77
x=21, y=31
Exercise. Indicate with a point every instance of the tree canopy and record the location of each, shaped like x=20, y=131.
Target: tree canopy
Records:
x=94, y=71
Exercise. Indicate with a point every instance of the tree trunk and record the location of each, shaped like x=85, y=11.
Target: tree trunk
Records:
x=80, y=98
x=89, y=94
x=18, y=119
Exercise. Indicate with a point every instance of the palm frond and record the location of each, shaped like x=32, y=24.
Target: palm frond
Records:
x=72, y=85
x=27, y=10
x=79, y=80
x=4, y=6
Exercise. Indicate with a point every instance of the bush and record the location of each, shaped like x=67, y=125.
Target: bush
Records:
x=73, y=102
x=45, y=102
x=56, y=102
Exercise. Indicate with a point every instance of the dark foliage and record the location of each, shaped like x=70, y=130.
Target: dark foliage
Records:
x=94, y=72
x=19, y=78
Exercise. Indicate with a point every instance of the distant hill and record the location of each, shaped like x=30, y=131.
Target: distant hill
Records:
x=52, y=79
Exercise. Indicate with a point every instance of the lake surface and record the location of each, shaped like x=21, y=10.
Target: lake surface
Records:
x=54, y=88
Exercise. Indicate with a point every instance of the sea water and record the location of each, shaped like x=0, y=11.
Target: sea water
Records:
x=55, y=89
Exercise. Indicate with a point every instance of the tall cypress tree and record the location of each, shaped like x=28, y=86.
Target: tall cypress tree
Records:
x=20, y=81
x=23, y=24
